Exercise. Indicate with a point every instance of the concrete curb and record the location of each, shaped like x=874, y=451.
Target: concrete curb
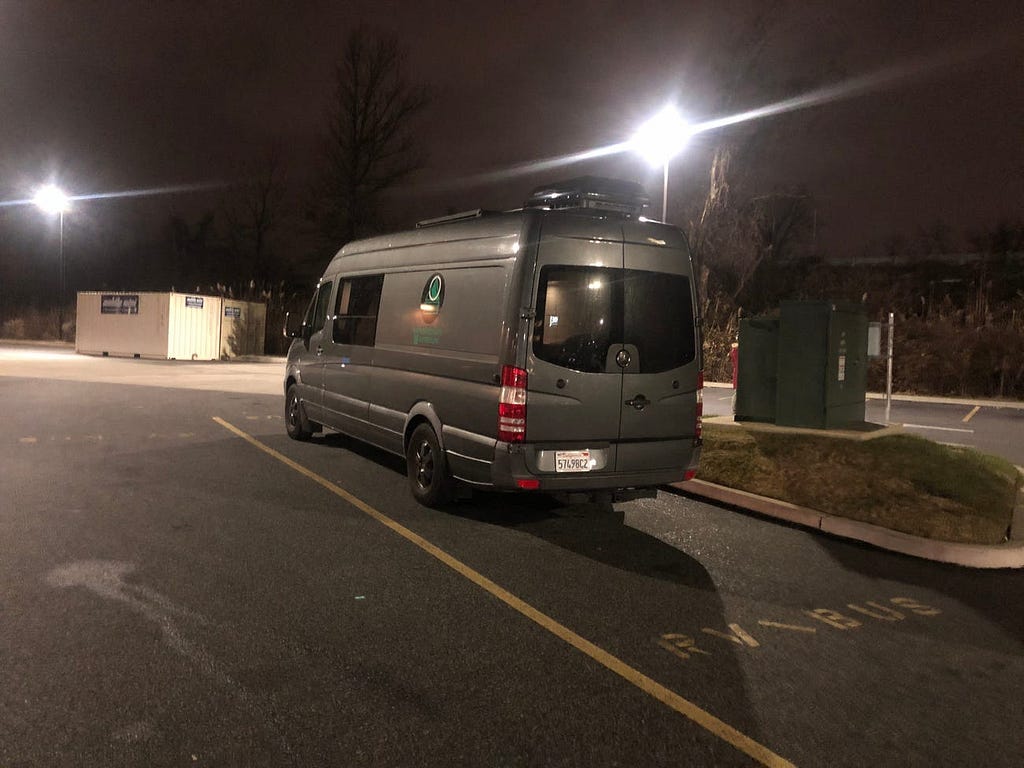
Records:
x=1007, y=555
x=878, y=430
x=972, y=401
x=268, y=359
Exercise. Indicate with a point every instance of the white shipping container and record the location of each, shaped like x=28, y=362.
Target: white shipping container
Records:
x=243, y=328
x=122, y=324
x=169, y=326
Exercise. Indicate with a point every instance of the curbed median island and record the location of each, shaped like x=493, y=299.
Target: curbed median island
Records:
x=896, y=481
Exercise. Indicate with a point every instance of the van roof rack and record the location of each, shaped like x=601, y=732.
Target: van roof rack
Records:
x=594, y=192
x=463, y=216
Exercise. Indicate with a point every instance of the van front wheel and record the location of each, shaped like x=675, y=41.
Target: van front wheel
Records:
x=298, y=426
x=428, y=471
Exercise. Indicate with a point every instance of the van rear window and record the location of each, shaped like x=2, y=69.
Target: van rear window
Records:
x=582, y=312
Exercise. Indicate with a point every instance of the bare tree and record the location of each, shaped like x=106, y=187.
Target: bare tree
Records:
x=784, y=223
x=194, y=254
x=370, y=146
x=727, y=229
x=782, y=229
x=715, y=230
x=253, y=214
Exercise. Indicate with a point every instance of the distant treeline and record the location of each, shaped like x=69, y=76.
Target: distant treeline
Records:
x=959, y=326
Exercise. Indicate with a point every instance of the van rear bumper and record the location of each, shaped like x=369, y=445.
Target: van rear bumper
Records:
x=511, y=467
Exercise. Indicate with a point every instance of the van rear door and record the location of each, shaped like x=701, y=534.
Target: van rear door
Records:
x=613, y=364
x=574, y=388
x=659, y=383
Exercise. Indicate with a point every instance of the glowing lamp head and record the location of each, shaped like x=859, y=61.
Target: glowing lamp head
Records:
x=52, y=199
x=662, y=137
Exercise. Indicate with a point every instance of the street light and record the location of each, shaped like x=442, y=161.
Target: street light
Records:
x=51, y=199
x=659, y=140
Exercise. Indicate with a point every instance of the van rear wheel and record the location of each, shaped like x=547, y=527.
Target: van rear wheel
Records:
x=427, y=469
x=298, y=426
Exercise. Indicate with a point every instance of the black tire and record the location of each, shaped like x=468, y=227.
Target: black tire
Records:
x=427, y=469
x=295, y=421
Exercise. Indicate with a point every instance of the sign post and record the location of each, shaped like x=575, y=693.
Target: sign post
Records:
x=888, y=370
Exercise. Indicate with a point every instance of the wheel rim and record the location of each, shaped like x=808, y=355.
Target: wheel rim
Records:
x=424, y=465
x=293, y=412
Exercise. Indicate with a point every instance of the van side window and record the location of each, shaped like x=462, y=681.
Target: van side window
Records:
x=355, y=314
x=316, y=315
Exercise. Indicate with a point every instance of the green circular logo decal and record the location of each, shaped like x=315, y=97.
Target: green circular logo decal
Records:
x=433, y=294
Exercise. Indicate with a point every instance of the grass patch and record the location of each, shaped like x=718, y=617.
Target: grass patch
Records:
x=902, y=482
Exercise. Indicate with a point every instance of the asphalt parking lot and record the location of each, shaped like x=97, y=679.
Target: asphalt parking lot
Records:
x=181, y=584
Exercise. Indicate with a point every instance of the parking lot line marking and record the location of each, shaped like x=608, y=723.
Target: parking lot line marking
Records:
x=970, y=415
x=943, y=429
x=793, y=627
x=688, y=709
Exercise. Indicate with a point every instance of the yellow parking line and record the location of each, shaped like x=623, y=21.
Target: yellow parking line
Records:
x=683, y=706
x=970, y=415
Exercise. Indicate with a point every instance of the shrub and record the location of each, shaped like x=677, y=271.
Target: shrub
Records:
x=39, y=324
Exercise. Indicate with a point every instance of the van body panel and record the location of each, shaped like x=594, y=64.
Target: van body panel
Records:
x=310, y=377
x=386, y=427
x=469, y=320
x=468, y=404
x=470, y=455
x=345, y=383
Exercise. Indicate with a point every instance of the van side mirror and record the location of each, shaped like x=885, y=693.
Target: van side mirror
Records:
x=293, y=327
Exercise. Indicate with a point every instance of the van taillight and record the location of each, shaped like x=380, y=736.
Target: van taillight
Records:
x=699, y=426
x=512, y=405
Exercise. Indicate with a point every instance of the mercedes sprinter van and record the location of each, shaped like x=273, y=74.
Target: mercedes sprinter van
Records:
x=553, y=348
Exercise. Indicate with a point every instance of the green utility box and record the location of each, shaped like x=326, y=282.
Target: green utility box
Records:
x=805, y=368
x=758, y=369
x=823, y=360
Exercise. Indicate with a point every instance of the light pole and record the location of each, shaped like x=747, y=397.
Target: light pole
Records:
x=51, y=199
x=659, y=140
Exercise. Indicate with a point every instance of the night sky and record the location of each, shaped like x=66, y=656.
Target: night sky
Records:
x=105, y=96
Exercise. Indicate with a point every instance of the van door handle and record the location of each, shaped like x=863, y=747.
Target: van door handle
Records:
x=319, y=350
x=639, y=402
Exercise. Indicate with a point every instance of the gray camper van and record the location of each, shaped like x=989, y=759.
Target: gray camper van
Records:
x=553, y=348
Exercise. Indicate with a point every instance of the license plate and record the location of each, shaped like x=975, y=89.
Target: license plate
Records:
x=572, y=461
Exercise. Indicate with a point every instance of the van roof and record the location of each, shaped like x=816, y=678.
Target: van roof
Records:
x=503, y=231
x=487, y=224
